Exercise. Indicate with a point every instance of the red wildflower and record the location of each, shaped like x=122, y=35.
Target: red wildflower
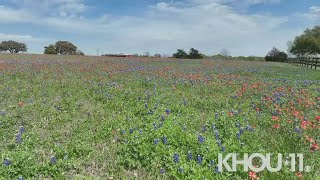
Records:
x=299, y=174
x=304, y=124
x=276, y=126
x=310, y=139
x=275, y=118
x=253, y=175
x=289, y=121
x=318, y=118
x=314, y=147
x=296, y=113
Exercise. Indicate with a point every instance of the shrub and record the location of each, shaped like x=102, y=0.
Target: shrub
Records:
x=276, y=55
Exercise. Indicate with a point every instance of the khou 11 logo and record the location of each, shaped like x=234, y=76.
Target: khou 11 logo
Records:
x=247, y=162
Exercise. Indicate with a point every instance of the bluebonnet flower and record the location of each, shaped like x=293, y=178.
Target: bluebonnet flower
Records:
x=223, y=149
x=164, y=140
x=189, y=154
x=238, y=135
x=204, y=128
x=2, y=113
x=238, y=124
x=131, y=131
x=168, y=111
x=216, y=116
x=162, y=170
x=219, y=142
x=162, y=117
x=156, y=141
x=217, y=170
x=184, y=101
x=297, y=129
x=140, y=131
x=201, y=139
x=176, y=158
x=123, y=131
x=181, y=170
x=20, y=178
x=18, y=138
x=184, y=127
x=211, y=164
x=6, y=162
x=53, y=160
x=199, y=159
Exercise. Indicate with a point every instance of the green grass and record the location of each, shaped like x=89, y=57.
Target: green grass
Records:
x=100, y=117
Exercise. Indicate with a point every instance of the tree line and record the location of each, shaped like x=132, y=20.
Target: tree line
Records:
x=307, y=44
x=60, y=47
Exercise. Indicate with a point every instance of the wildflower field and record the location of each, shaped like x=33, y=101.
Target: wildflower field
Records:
x=126, y=118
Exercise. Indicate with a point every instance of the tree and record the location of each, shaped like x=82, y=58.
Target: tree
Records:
x=13, y=46
x=157, y=55
x=194, y=54
x=225, y=52
x=51, y=49
x=79, y=53
x=276, y=55
x=307, y=43
x=180, y=54
x=65, y=48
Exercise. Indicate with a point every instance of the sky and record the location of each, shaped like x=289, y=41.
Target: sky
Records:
x=243, y=27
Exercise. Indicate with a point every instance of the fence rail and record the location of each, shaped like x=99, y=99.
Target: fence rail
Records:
x=304, y=61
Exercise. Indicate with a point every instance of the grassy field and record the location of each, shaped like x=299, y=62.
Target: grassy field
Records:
x=111, y=118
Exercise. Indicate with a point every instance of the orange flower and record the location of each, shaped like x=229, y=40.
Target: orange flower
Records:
x=299, y=175
x=275, y=118
x=318, y=118
x=276, y=126
x=253, y=175
x=310, y=139
x=21, y=103
x=296, y=113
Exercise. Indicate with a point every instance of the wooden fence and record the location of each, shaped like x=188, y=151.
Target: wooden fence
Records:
x=304, y=61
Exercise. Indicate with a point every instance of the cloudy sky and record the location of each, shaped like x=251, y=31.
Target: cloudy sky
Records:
x=244, y=27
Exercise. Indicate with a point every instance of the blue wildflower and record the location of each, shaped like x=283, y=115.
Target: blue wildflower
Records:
x=2, y=113
x=223, y=149
x=156, y=141
x=53, y=160
x=189, y=154
x=6, y=162
x=204, y=128
x=181, y=170
x=176, y=158
x=201, y=139
x=164, y=140
x=123, y=132
x=20, y=178
x=131, y=131
x=162, y=117
x=18, y=138
x=21, y=130
x=217, y=170
x=199, y=159
x=162, y=170
x=168, y=111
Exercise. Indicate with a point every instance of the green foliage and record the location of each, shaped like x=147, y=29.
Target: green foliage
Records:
x=307, y=43
x=51, y=49
x=193, y=54
x=181, y=54
x=13, y=46
x=63, y=48
x=276, y=55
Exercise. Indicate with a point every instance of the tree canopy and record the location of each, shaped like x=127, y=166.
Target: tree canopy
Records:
x=276, y=55
x=63, y=48
x=13, y=46
x=308, y=43
x=193, y=54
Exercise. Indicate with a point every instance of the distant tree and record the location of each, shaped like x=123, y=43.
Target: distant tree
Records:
x=65, y=48
x=225, y=52
x=307, y=43
x=13, y=46
x=80, y=53
x=180, y=54
x=51, y=49
x=194, y=54
x=276, y=55
x=157, y=55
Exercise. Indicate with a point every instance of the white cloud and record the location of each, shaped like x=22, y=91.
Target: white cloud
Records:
x=209, y=25
x=22, y=38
